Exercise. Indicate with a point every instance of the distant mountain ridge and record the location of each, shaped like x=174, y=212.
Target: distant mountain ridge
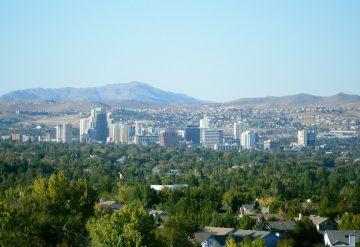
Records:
x=133, y=91
x=299, y=99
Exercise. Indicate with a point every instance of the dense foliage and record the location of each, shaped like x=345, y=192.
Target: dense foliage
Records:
x=48, y=191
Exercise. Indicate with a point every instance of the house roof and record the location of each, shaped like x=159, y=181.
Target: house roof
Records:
x=267, y=216
x=342, y=237
x=208, y=231
x=251, y=234
x=248, y=207
x=317, y=220
x=220, y=240
x=110, y=204
x=282, y=225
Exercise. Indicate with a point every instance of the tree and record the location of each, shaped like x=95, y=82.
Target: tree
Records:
x=350, y=222
x=232, y=198
x=177, y=231
x=246, y=242
x=49, y=213
x=228, y=220
x=261, y=225
x=285, y=243
x=246, y=223
x=258, y=242
x=305, y=232
x=230, y=242
x=130, y=226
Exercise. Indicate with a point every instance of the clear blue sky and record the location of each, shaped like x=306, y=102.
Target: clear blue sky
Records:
x=212, y=50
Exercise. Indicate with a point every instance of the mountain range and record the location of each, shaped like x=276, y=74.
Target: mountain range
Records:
x=301, y=99
x=141, y=93
x=114, y=93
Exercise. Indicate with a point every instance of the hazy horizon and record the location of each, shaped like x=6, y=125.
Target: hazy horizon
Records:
x=210, y=50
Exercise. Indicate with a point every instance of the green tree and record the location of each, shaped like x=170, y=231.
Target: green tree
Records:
x=228, y=220
x=130, y=226
x=50, y=213
x=246, y=223
x=233, y=198
x=305, y=233
x=230, y=242
x=261, y=225
x=246, y=242
x=177, y=231
x=350, y=222
x=258, y=242
x=285, y=243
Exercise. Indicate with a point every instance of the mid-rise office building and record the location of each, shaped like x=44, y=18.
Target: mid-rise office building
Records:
x=192, y=134
x=146, y=139
x=306, y=138
x=271, y=144
x=211, y=137
x=16, y=137
x=168, y=138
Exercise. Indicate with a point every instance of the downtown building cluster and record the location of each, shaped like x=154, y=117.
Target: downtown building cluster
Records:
x=99, y=126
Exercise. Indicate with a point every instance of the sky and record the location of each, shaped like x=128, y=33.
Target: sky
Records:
x=211, y=50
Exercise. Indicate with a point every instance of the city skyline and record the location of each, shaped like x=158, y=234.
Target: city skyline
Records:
x=217, y=51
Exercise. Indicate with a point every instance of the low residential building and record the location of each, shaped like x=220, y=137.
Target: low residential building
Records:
x=269, y=238
x=322, y=223
x=159, y=216
x=109, y=205
x=341, y=238
x=247, y=209
x=281, y=228
x=209, y=236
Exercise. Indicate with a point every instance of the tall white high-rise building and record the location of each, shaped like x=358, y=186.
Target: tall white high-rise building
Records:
x=138, y=128
x=64, y=133
x=115, y=133
x=302, y=138
x=125, y=133
x=109, y=121
x=204, y=123
x=84, y=127
x=239, y=128
x=96, y=126
x=248, y=140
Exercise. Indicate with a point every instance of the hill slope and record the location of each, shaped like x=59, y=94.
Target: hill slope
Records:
x=133, y=91
x=298, y=99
